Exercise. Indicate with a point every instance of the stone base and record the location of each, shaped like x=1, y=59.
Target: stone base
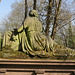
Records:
x=36, y=67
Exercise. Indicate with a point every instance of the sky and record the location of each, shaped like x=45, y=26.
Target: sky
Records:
x=5, y=7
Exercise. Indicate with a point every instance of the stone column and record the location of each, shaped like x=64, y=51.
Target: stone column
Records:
x=0, y=41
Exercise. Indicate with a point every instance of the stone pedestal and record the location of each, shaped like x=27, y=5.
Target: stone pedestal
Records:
x=36, y=67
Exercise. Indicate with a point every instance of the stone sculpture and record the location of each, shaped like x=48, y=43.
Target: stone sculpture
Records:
x=11, y=39
x=29, y=37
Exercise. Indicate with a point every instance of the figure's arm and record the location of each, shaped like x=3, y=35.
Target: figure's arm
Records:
x=23, y=25
x=20, y=29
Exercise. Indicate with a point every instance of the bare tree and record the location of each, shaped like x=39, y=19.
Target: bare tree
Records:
x=57, y=11
x=34, y=6
x=25, y=9
x=49, y=11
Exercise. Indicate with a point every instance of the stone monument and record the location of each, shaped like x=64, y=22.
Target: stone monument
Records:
x=29, y=38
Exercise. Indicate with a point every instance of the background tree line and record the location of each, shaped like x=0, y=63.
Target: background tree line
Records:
x=55, y=15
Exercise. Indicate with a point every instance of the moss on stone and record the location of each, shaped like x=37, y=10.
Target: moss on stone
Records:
x=9, y=53
x=60, y=53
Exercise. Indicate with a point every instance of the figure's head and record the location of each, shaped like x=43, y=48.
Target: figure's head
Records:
x=33, y=13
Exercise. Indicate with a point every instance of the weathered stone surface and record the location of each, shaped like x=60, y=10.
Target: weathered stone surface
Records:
x=36, y=67
x=18, y=73
x=29, y=38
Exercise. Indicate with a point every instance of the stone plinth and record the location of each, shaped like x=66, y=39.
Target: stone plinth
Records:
x=36, y=67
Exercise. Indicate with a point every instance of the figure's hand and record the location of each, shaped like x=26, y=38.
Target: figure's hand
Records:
x=15, y=31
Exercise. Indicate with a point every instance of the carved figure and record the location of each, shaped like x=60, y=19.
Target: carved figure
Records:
x=30, y=38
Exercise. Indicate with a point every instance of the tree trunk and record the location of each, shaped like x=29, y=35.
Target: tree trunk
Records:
x=66, y=42
x=54, y=30
x=25, y=9
x=34, y=6
x=49, y=11
x=25, y=13
x=71, y=39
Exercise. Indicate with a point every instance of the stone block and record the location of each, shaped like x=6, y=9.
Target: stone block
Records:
x=18, y=73
x=36, y=67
